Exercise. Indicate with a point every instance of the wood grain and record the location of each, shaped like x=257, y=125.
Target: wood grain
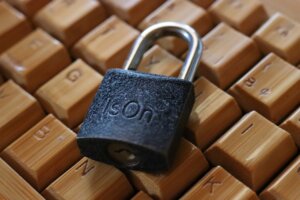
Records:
x=28, y=7
x=292, y=125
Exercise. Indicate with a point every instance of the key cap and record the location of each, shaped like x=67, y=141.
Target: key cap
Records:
x=14, y=26
x=131, y=11
x=292, y=125
x=248, y=15
x=28, y=7
x=108, y=45
x=159, y=61
x=141, y=196
x=188, y=165
x=89, y=179
x=212, y=106
x=253, y=150
x=12, y=186
x=280, y=35
x=19, y=111
x=227, y=55
x=43, y=153
x=179, y=11
x=271, y=88
x=203, y=3
x=218, y=184
x=69, y=20
x=34, y=60
x=286, y=186
x=69, y=94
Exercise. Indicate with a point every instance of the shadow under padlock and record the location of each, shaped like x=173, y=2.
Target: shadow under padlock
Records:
x=136, y=119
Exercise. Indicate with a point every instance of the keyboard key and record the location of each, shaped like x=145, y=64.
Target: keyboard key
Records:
x=227, y=55
x=108, y=45
x=89, y=179
x=68, y=95
x=43, y=153
x=212, y=106
x=12, y=186
x=159, y=61
x=280, y=35
x=28, y=7
x=286, y=186
x=218, y=184
x=19, y=111
x=271, y=88
x=248, y=14
x=179, y=11
x=292, y=125
x=188, y=165
x=141, y=196
x=253, y=150
x=34, y=60
x=69, y=20
x=203, y=3
x=131, y=11
x=14, y=26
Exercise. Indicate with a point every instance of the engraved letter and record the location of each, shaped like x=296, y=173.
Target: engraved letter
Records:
x=210, y=183
x=42, y=133
x=86, y=168
x=74, y=75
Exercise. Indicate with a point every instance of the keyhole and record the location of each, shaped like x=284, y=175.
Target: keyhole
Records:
x=122, y=153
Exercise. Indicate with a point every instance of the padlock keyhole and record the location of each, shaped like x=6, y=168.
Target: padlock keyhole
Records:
x=122, y=153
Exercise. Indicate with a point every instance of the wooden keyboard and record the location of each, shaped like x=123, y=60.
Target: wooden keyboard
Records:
x=243, y=136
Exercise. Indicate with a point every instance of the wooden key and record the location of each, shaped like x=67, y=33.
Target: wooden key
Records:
x=69, y=20
x=28, y=7
x=271, y=88
x=19, y=111
x=203, y=3
x=292, y=125
x=89, y=179
x=34, y=60
x=248, y=14
x=68, y=95
x=212, y=106
x=141, y=196
x=218, y=184
x=12, y=186
x=43, y=153
x=179, y=11
x=131, y=11
x=13, y=28
x=286, y=185
x=227, y=55
x=280, y=35
x=253, y=150
x=107, y=45
x=159, y=61
x=188, y=165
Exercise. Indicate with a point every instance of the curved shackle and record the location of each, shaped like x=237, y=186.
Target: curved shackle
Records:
x=156, y=31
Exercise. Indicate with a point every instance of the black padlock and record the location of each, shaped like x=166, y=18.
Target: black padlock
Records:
x=136, y=119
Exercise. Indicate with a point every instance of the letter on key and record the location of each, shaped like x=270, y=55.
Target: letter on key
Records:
x=253, y=150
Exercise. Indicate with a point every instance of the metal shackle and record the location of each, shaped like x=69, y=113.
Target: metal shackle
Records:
x=156, y=31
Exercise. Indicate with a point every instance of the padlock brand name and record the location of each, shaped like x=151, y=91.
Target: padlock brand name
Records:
x=130, y=110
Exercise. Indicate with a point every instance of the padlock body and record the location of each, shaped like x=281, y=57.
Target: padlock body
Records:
x=139, y=116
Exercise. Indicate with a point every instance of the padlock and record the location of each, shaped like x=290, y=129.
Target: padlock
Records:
x=136, y=119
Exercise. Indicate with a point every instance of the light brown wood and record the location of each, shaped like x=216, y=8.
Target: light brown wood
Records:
x=286, y=185
x=248, y=14
x=218, y=184
x=280, y=35
x=43, y=153
x=69, y=20
x=212, y=106
x=19, y=111
x=188, y=165
x=28, y=7
x=89, y=179
x=69, y=94
x=271, y=88
x=227, y=55
x=108, y=45
x=34, y=60
x=179, y=11
x=159, y=61
x=141, y=196
x=12, y=186
x=253, y=150
x=13, y=26
x=131, y=11
x=203, y=3
x=292, y=125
